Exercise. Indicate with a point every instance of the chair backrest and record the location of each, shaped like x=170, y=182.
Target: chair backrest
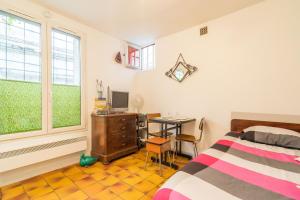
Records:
x=154, y=126
x=201, y=128
x=152, y=115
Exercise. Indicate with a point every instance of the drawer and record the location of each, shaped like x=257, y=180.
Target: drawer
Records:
x=119, y=128
x=122, y=135
x=121, y=119
x=121, y=143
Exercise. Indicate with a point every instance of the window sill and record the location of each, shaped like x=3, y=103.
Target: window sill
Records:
x=40, y=134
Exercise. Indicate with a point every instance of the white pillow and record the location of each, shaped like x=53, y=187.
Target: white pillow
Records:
x=274, y=130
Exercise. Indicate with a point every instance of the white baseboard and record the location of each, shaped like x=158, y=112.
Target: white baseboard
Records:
x=30, y=171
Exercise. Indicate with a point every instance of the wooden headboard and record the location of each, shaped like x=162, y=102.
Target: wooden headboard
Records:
x=241, y=124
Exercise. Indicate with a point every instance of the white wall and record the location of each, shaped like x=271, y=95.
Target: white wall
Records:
x=99, y=52
x=248, y=62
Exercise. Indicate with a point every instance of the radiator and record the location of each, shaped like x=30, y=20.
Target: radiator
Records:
x=20, y=153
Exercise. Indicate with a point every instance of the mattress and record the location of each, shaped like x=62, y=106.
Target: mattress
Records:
x=237, y=169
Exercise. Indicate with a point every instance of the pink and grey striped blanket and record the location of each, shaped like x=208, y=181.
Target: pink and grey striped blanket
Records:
x=237, y=169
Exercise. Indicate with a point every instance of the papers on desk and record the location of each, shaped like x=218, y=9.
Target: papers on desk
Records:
x=173, y=118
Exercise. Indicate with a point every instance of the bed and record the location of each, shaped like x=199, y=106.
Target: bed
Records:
x=238, y=169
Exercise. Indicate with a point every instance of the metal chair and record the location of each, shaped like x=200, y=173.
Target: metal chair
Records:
x=158, y=146
x=194, y=139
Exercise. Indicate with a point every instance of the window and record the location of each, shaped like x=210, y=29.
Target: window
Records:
x=65, y=79
x=134, y=57
x=29, y=103
x=20, y=75
x=148, y=57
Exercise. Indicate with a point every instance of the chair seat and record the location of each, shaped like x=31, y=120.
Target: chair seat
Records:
x=186, y=138
x=159, y=134
x=157, y=140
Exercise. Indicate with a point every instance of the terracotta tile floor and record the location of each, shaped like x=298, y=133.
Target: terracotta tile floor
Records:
x=122, y=179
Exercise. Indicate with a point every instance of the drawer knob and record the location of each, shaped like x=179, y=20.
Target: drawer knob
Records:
x=124, y=144
x=123, y=128
x=123, y=119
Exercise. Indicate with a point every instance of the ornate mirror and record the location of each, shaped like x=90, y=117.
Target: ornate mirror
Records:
x=181, y=70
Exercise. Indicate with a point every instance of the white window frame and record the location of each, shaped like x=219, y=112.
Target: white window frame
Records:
x=127, y=54
x=142, y=58
x=46, y=74
x=69, y=30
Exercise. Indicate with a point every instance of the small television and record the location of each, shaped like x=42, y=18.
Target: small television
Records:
x=119, y=101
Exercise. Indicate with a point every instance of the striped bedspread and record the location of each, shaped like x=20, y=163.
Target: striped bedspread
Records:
x=237, y=169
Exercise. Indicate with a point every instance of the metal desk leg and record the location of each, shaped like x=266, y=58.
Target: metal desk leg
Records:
x=180, y=152
x=176, y=146
x=180, y=129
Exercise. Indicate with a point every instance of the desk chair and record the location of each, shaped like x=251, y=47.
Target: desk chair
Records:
x=194, y=139
x=158, y=146
x=155, y=133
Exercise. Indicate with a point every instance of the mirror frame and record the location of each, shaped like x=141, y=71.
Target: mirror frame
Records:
x=180, y=61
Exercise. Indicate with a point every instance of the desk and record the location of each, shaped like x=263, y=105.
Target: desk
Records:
x=177, y=126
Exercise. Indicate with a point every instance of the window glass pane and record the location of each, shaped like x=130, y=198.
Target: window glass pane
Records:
x=148, y=57
x=21, y=91
x=66, y=86
x=145, y=58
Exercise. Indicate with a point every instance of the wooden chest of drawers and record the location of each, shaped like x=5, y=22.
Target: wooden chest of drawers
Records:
x=113, y=136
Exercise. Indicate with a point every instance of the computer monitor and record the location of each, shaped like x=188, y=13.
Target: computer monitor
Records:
x=119, y=101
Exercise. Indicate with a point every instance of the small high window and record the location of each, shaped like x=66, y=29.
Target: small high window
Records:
x=148, y=57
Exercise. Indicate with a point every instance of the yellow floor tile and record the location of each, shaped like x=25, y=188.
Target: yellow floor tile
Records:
x=23, y=196
x=82, y=183
x=13, y=192
x=66, y=191
x=105, y=195
x=152, y=192
x=118, y=198
x=30, y=185
x=143, y=173
x=94, y=189
x=50, y=196
x=11, y=186
x=62, y=182
x=79, y=195
x=132, y=194
x=70, y=170
x=78, y=176
x=122, y=174
x=52, y=176
x=140, y=164
x=114, y=169
x=100, y=175
x=155, y=179
x=39, y=191
x=146, y=197
x=132, y=179
x=144, y=186
x=133, y=169
x=99, y=165
x=109, y=180
x=119, y=188
x=92, y=170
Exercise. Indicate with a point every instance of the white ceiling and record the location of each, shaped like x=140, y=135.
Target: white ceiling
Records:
x=143, y=21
